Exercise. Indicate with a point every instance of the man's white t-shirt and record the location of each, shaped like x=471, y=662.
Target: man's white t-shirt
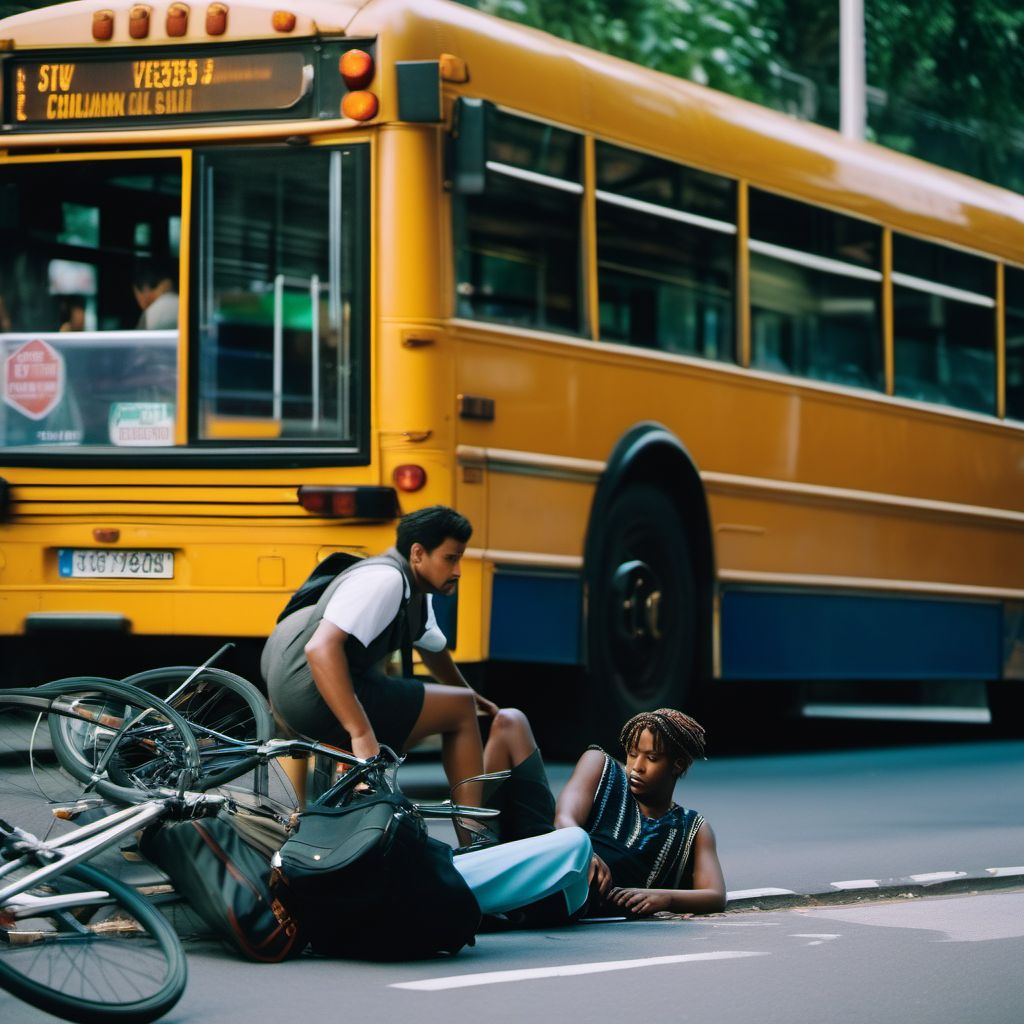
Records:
x=367, y=601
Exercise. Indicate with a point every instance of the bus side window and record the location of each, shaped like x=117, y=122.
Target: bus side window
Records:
x=518, y=243
x=815, y=292
x=944, y=325
x=1014, y=282
x=666, y=254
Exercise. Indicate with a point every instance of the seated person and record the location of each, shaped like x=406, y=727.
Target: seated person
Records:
x=650, y=853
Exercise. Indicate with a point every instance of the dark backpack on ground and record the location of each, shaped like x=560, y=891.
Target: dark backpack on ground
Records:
x=365, y=880
x=226, y=881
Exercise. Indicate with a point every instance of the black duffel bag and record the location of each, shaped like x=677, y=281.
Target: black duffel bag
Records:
x=225, y=878
x=365, y=880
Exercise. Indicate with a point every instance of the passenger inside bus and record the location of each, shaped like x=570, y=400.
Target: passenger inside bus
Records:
x=153, y=283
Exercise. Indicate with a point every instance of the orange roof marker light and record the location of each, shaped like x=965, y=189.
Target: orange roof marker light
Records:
x=103, y=26
x=177, y=20
x=356, y=67
x=138, y=21
x=216, y=19
x=359, y=105
x=283, y=21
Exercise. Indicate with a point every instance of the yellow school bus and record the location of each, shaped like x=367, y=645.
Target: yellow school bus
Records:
x=726, y=396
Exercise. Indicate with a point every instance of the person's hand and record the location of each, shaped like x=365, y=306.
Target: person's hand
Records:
x=485, y=706
x=639, y=902
x=365, y=746
x=601, y=874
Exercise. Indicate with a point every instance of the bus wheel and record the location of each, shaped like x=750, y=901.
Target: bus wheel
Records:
x=641, y=618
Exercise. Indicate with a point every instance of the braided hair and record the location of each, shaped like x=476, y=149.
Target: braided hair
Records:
x=676, y=734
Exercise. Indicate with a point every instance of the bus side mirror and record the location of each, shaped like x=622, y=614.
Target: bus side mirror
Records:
x=467, y=150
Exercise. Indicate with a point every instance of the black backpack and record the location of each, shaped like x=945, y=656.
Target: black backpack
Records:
x=318, y=581
x=365, y=880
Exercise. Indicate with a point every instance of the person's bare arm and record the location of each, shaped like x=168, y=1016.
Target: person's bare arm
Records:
x=325, y=653
x=442, y=667
x=575, y=803
x=706, y=897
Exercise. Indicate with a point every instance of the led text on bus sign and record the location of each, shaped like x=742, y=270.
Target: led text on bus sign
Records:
x=46, y=92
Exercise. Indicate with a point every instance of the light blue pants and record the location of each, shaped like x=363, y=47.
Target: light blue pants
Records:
x=512, y=875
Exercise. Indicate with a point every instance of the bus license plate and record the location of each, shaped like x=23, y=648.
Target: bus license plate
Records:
x=120, y=564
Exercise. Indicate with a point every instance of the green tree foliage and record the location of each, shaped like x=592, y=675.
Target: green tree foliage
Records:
x=946, y=75
x=952, y=72
x=722, y=43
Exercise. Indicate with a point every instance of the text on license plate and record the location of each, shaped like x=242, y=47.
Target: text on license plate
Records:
x=116, y=564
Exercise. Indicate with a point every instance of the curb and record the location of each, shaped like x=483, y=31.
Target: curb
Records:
x=936, y=883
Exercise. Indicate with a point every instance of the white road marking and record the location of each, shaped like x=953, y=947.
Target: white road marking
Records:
x=938, y=876
x=565, y=971
x=856, y=883
x=817, y=938
x=746, y=894
x=1000, y=872
x=744, y=924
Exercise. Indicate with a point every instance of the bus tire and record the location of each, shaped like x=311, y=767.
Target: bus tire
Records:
x=641, y=611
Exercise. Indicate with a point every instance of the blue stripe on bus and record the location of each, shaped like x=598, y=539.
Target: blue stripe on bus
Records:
x=770, y=635
x=446, y=615
x=535, y=618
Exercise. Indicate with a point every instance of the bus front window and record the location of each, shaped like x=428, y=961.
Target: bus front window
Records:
x=89, y=303
x=283, y=295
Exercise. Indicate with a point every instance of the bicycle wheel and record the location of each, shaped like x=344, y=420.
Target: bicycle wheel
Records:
x=222, y=709
x=152, y=750
x=104, y=953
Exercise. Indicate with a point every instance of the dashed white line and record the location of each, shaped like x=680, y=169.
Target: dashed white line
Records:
x=1001, y=872
x=746, y=894
x=567, y=970
x=817, y=938
x=939, y=876
x=856, y=883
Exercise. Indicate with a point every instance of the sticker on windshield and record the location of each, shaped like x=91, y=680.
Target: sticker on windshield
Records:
x=140, y=424
x=33, y=380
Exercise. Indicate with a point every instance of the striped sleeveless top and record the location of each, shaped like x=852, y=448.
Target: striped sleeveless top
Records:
x=646, y=853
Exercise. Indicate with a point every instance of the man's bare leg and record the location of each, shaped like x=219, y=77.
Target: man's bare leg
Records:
x=451, y=712
x=510, y=741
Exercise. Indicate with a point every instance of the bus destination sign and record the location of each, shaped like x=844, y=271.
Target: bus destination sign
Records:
x=149, y=89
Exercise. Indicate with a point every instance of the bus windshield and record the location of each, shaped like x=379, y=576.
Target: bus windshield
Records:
x=96, y=295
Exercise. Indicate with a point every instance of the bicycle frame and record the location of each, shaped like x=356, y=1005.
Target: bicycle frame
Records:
x=73, y=848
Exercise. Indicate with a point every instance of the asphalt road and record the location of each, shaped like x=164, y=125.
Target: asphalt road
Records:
x=928, y=961
x=803, y=821
x=800, y=821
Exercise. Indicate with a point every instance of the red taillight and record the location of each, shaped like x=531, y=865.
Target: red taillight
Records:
x=106, y=535
x=350, y=502
x=409, y=477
